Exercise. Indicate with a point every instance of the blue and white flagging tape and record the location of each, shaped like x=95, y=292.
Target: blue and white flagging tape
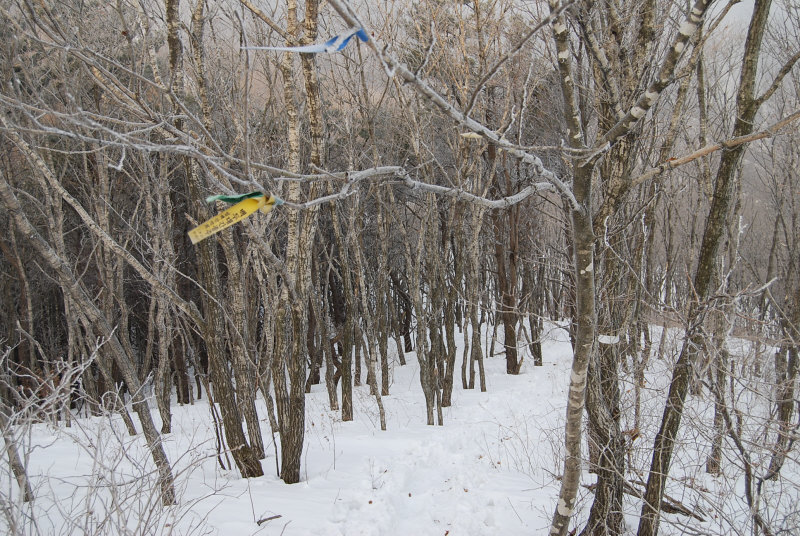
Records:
x=334, y=44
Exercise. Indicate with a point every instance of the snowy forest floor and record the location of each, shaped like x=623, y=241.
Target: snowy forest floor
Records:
x=491, y=469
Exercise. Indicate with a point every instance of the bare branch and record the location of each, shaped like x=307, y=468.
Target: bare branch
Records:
x=776, y=83
x=268, y=21
x=395, y=172
x=394, y=66
x=673, y=163
x=598, y=53
x=665, y=75
x=513, y=52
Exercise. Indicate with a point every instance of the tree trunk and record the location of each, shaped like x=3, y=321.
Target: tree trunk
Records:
x=585, y=336
x=506, y=259
x=344, y=316
x=369, y=327
x=473, y=287
x=14, y=458
x=786, y=367
x=585, y=319
x=602, y=404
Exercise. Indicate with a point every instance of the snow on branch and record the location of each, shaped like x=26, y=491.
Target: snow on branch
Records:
x=397, y=174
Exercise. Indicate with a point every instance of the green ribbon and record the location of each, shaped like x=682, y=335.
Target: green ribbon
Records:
x=235, y=198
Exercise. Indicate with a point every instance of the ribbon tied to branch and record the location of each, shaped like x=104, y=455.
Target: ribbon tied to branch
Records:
x=245, y=205
x=334, y=44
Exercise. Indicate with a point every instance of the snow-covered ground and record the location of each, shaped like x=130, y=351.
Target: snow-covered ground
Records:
x=491, y=469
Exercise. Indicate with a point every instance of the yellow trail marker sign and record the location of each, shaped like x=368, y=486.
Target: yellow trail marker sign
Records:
x=235, y=214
